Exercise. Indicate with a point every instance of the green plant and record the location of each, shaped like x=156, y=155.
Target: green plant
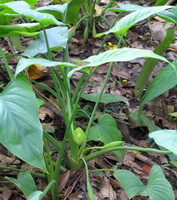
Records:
x=25, y=136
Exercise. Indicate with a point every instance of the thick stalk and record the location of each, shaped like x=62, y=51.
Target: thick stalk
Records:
x=101, y=152
x=21, y=170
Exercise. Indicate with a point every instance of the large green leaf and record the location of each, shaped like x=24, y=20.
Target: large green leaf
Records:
x=118, y=55
x=157, y=188
x=121, y=55
x=23, y=9
x=56, y=10
x=106, y=130
x=32, y=3
x=73, y=11
x=35, y=196
x=131, y=19
x=170, y=16
x=24, y=182
x=131, y=184
x=27, y=29
x=166, y=139
x=165, y=80
x=57, y=38
x=106, y=98
x=20, y=130
x=26, y=62
x=150, y=63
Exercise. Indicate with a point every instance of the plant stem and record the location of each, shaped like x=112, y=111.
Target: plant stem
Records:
x=94, y=109
x=6, y=64
x=101, y=152
x=21, y=170
x=47, y=189
x=52, y=140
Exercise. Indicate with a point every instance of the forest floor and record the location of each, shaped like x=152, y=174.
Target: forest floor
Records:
x=145, y=35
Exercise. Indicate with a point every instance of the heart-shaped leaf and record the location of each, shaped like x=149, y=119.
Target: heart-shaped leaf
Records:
x=24, y=182
x=157, y=188
x=57, y=38
x=166, y=139
x=20, y=130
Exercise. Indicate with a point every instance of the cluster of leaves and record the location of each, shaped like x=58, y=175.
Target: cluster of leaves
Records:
x=18, y=103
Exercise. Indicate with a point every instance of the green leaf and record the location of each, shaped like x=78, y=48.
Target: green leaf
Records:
x=24, y=182
x=27, y=29
x=78, y=135
x=73, y=11
x=106, y=131
x=157, y=188
x=26, y=62
x=161, y=2
x=117, y=55
x=165, y=80
x=125, y=8
x=56, y=10
x=121, y=55
x=23, y=9
x=131, y=19
x=144, y=121
x=150, y=63
x=35, y=196
x=166, y=139
x=168, y=16
x=105, y=99
x=20, y=130
x=131, y=184
x=32, y=3
x=57, y=38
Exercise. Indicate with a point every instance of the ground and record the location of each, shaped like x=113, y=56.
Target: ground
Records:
x=122, y=82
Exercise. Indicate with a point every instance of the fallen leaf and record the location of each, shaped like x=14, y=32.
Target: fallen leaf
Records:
x=36, y=71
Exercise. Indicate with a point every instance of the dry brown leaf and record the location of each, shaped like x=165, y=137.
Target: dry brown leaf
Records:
x=36, y=71
x=106, y=190
x=63, y=180
x=6, y=193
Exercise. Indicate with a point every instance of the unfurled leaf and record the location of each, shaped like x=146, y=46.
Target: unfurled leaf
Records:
x=24, y=182
x=131, y=19
x=105, y=99
x=20, y=130
x=157, y=188
x=57, y=38
x=26, y=62
x=166, y=139
x=165, y=80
